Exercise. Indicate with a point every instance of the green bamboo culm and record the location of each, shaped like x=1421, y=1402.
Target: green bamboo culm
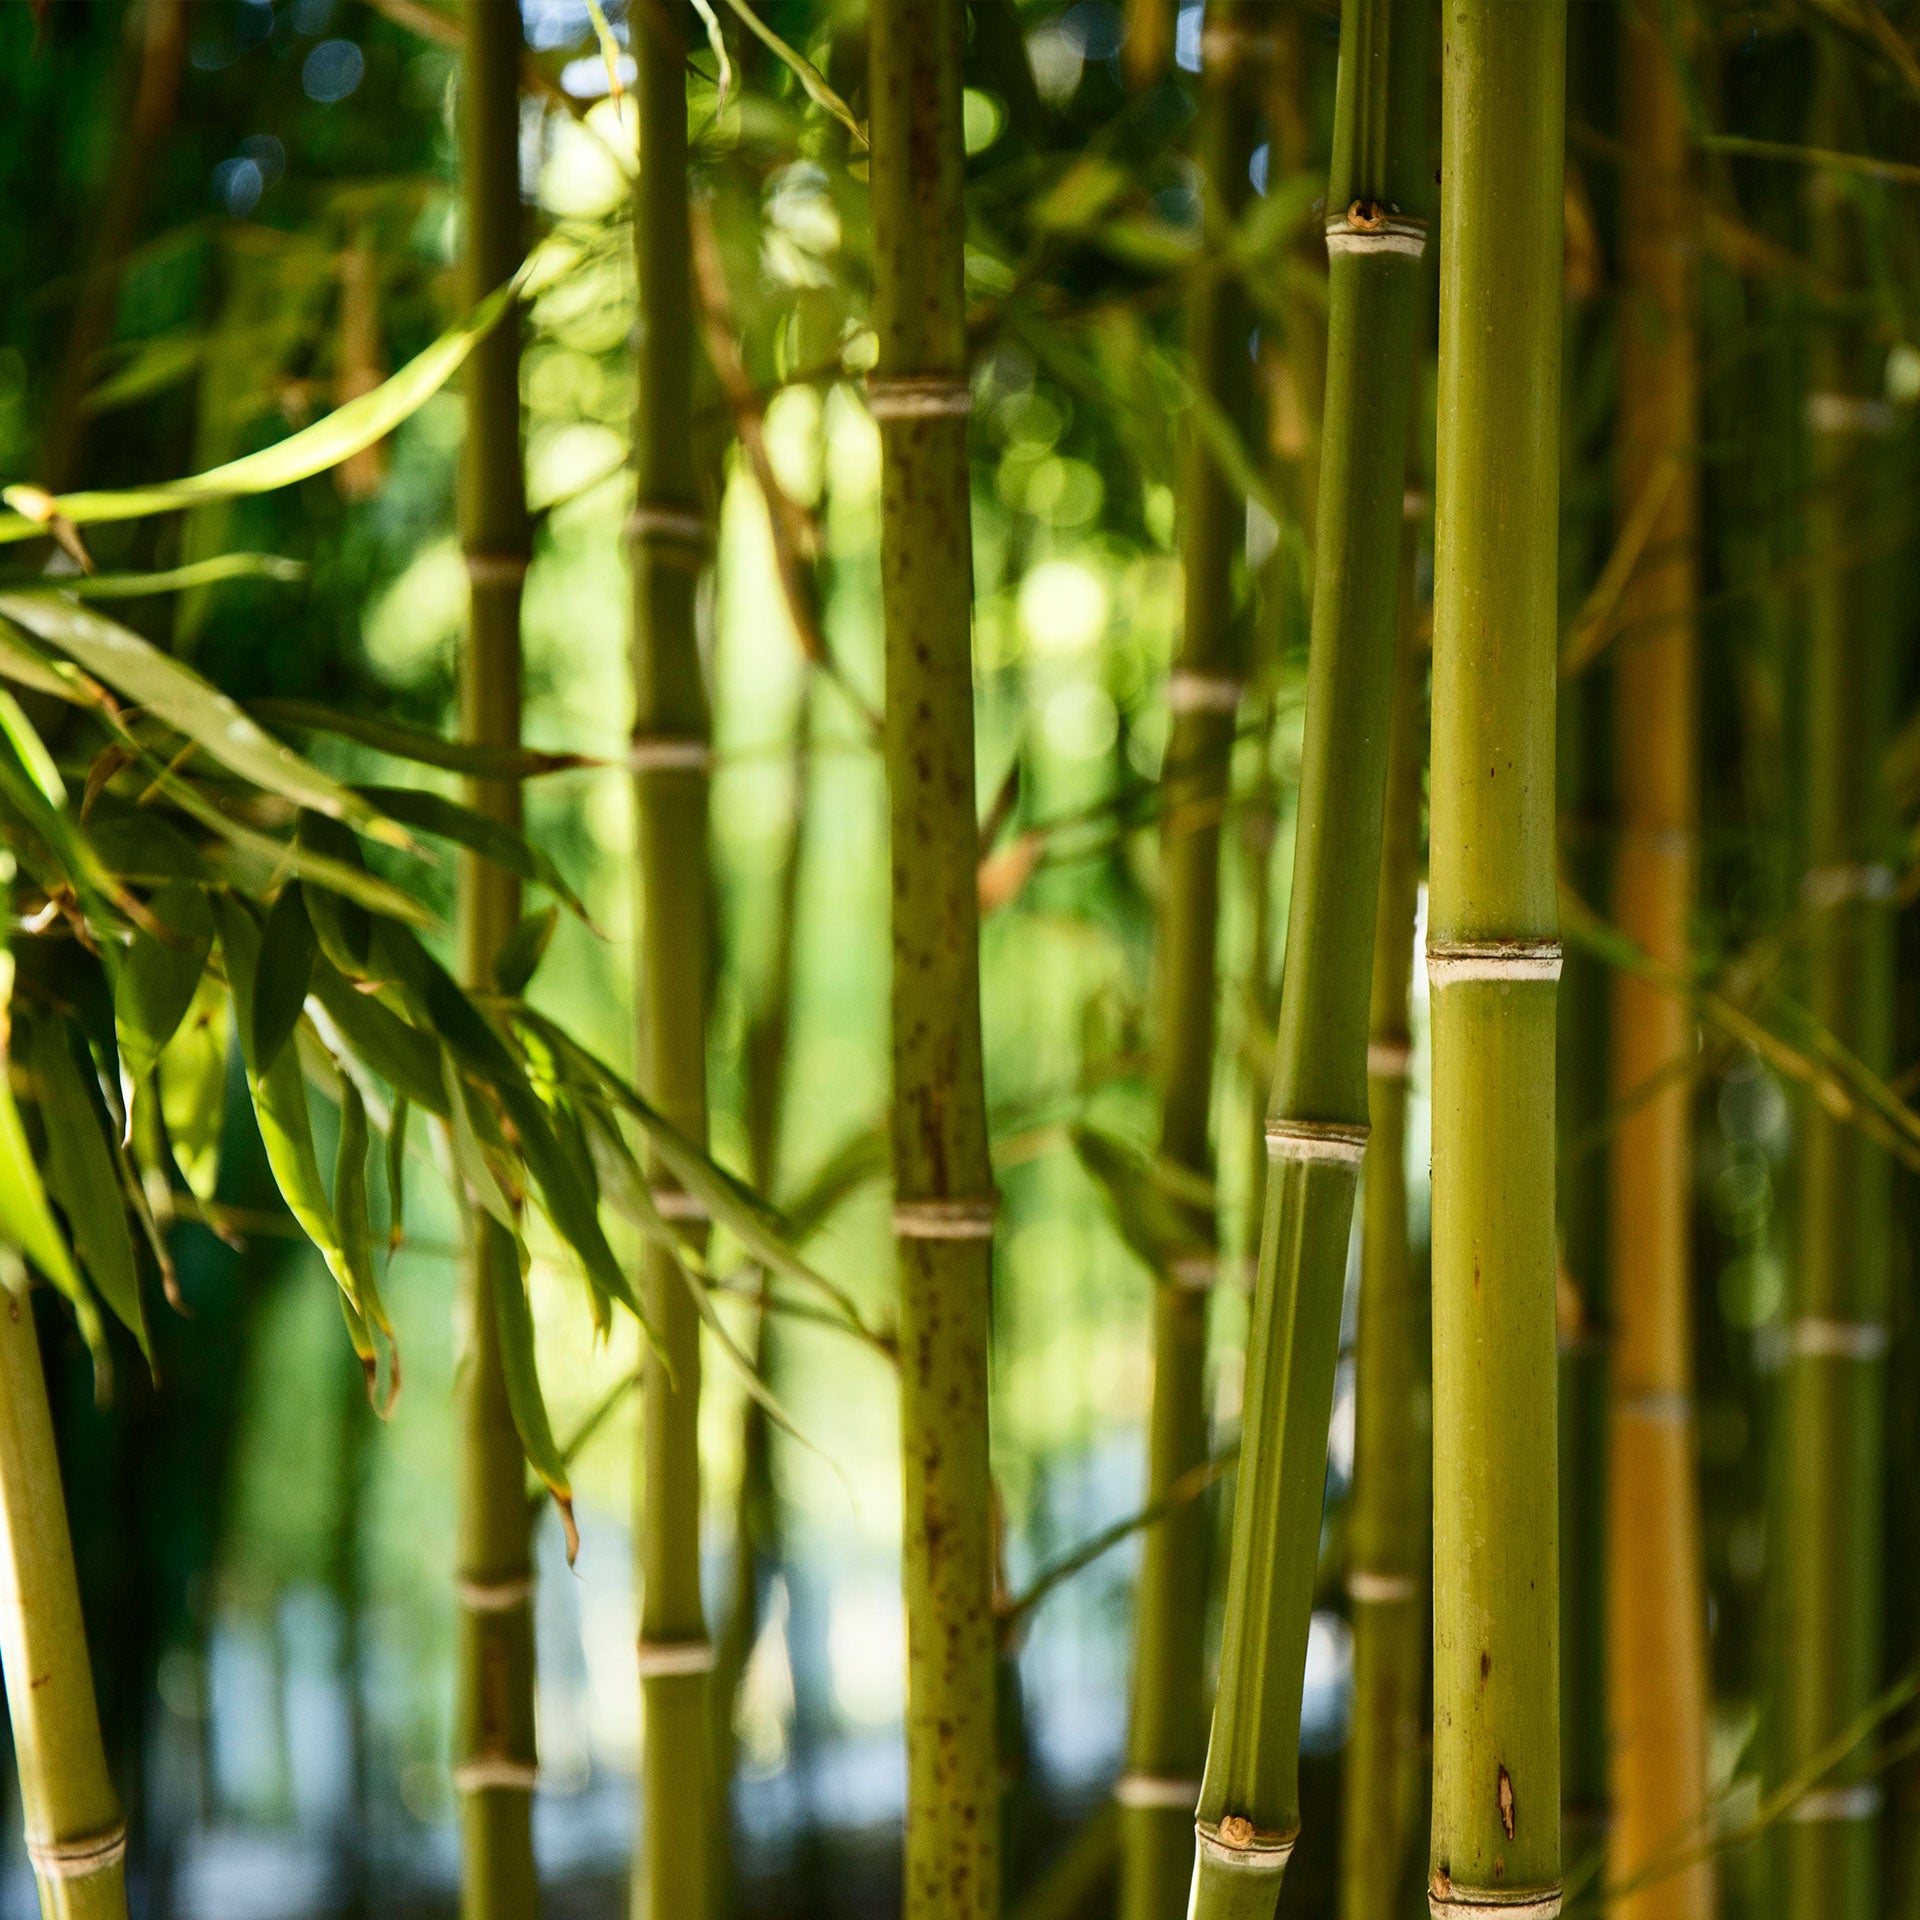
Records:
x=1167, y=1730
x=1493, y=962
x=668, y=543
x=1827, y=1595
x=495, y=1763
x=76, y=1837
x=944, y=1199
x=1249, y=1815
x=1391, y=1503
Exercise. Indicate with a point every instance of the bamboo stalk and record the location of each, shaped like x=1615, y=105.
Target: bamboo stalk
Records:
x=1391, y=1504
x=1830, y=1568
x=75, y=1834
x=944, y=1201
x=1146, y=51
x=669, y=540
x=1493, y=958
x=1657, y=1682
x=1166, y=1739
x=495, y=1760
x=1248, y=1816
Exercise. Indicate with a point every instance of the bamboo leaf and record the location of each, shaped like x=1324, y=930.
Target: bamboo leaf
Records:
x=287, y=951
x=448, y=819
x=26, y=1221
x=191, y=706
x=356, y=1235
x=1160, y=1218
x=348, y=430
x=156, y=982
x=81, y=1173
x=192, y=1076
x=397, y=1174
x=517, y=962
x=139, y=586
x=811, y=79
x=32, y=750
x=414, y=743
x=404, y=1057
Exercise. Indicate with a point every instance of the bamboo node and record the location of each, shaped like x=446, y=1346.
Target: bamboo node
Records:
x=1372, y=1589
x=1861, y=1801
x=1506, y=962
x=927, y=396
x=1236, y=1842
x=1666, y=1409
x=676, y=1203
x=1194, y=1272
x=495, y=1771
x=1156, y=1790
x=665, y=1659
x=496, y=569
x=1415, y=504
x=945, y=1219
x=1822, y=887
x=662, y=525
x=494, y=1596
x=1850, y=415
x=1538, y=1904
x=667, y=752
x=1225, y=43
x=1368, y=228
x=1813, y=1338
x=1389, y=1059
x=1189, y=692
x=78, y=1859
x=1332, y=1142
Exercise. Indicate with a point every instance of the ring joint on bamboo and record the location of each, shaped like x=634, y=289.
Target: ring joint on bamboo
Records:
x=1365, y=228
x=1324, y=1142
x=1655, y=1408
x=662, y=525
x=1371, y=1588
x=1813, y=1338
x=1849, y=415
x=669, y=753
x=496, y=1771
x=1389, y=1059
x=945, y=1219
x=677, y=1204
x=1499, y=962
x=494, y=1596
x=932, y=396
x=1237, y=1844
x=1190, y=692
x=1542, y=1904
x=1226, y=43
x=1415, y=504
x=1835, y=886
x=79, y=1859
x=668, y=1659
x=1154, y=1791
x=1194, y=1272
x=496, y=569
x=1861, y=1801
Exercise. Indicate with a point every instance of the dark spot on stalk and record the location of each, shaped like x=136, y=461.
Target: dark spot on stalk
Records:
x=1486, y=1667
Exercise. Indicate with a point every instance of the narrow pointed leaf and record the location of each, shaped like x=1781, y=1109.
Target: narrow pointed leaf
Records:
x=155, y=983
x=397, y=1174
x=447, y=819
x=517, y=962
x=356, y=1233
x=403, y=742
x=287, y=951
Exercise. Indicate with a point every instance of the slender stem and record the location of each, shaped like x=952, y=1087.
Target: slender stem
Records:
x=668, y=543
x=1166, y=1740
x=939, y=1120
x=1493, y=959
x=494, y=1742
x=74, y=1827
x=1827, y=1594
x=1656, y=1591
x=1249, y=1811
x=1391, y=1501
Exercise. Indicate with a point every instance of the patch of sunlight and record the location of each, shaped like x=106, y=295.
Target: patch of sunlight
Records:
x=853, y=450
x=1063, y=607
x=412, y=627
x=764, y=1710
x=607, y=1627
x=867, y=1650
x=588, y=171
x=796, y=417
x=981, y=117
x=1080, y=721
x=566, y=461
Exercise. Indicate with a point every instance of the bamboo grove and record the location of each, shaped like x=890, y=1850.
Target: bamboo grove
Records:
x=1058, y=860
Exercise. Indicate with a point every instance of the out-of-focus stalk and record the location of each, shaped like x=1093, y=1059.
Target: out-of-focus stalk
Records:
x=1249, y=1812
x=943, y=1181
x=495, y=1765
x=1167, y=1732
x=1656, y=1596
x=1493, y=958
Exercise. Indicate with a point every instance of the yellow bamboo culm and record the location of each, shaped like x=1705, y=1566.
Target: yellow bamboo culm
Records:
x=1656, y=1613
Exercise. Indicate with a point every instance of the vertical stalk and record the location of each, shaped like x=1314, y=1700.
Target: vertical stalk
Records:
x=1833, y=1466
x=1493, y=959
x=1249, y=1812
x=1391, y=1506
x=495, y=1762
x=1657, y=1682
x=1166, y=1740
x=668, y=539
x=944, y=1201
x=76, y=1836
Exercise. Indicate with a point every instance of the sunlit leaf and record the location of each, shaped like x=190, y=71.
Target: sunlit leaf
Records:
x=448, y=819
x=517, y=962
x=156, y=980
x=287, y=950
